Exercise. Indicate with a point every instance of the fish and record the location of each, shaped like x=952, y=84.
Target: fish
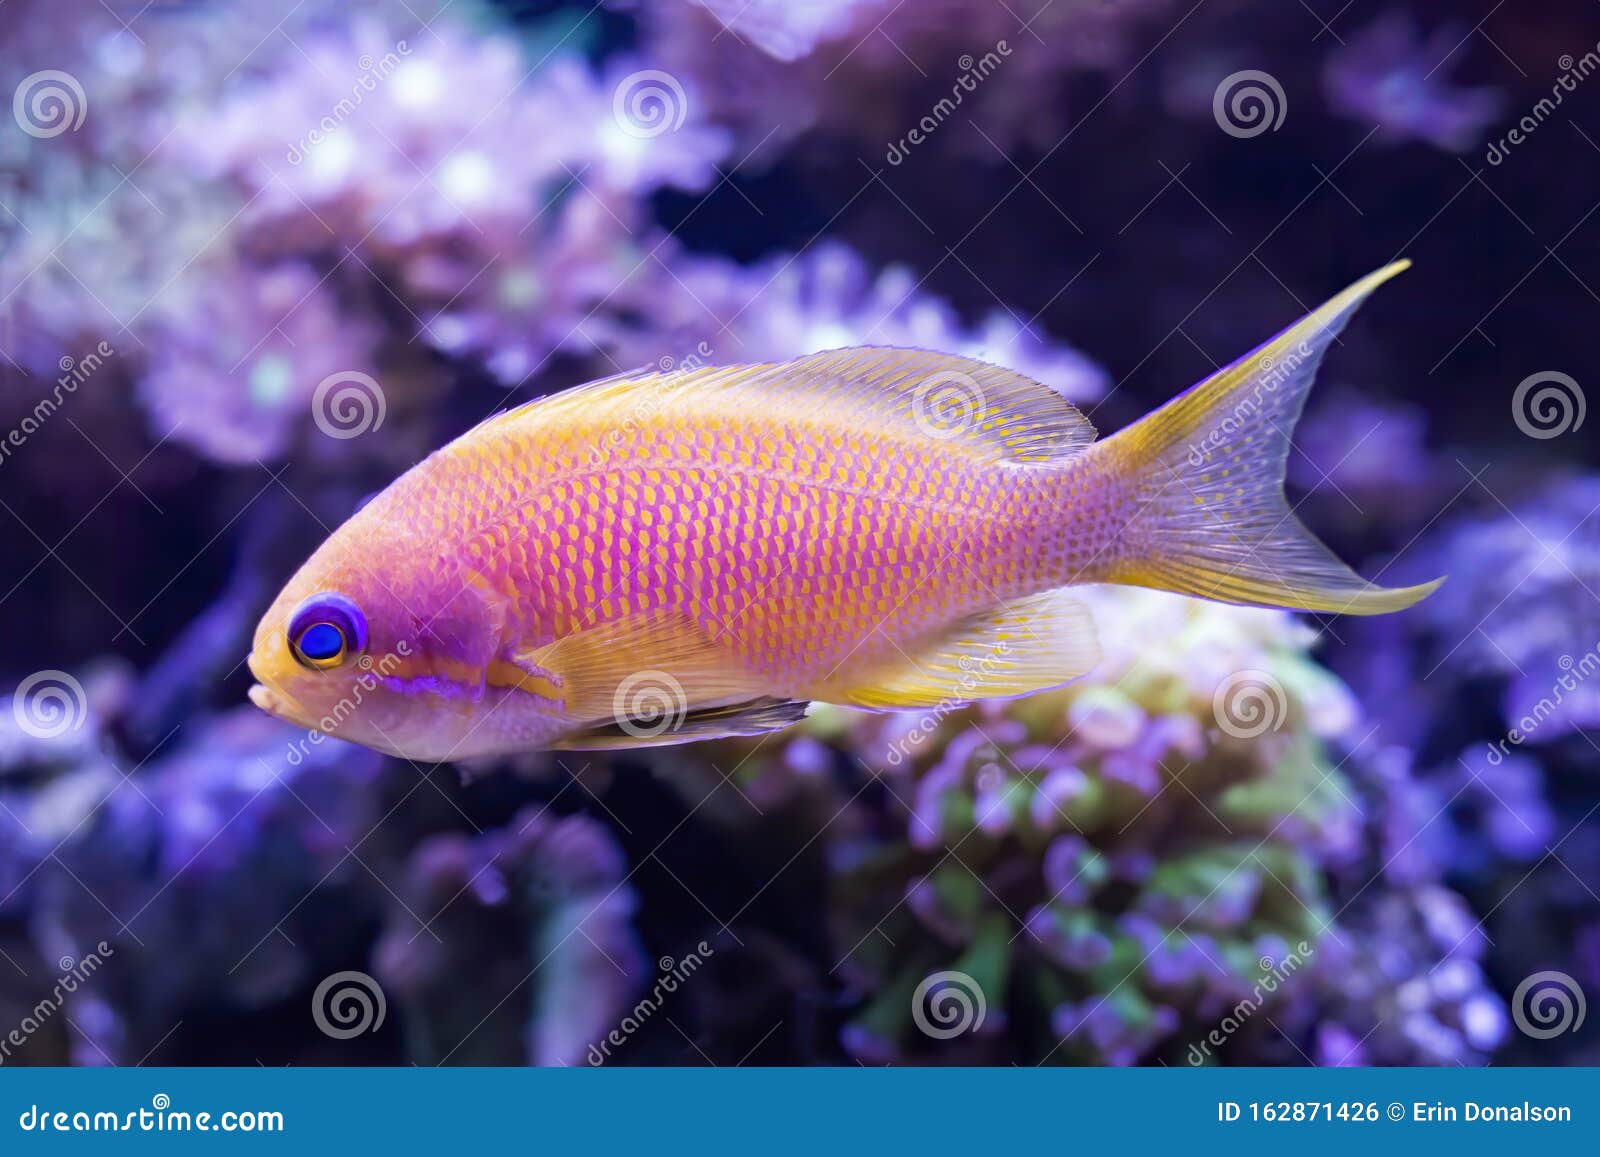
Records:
x=664, y=557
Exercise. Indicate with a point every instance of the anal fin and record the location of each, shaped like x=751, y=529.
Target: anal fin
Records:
x=1018, y=648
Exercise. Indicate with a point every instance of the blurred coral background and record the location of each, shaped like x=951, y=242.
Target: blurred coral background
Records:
x=256, y=259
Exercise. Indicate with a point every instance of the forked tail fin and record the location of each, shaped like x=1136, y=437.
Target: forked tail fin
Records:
x=1202, y=479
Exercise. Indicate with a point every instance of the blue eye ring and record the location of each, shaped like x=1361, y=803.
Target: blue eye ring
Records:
x=327, y=631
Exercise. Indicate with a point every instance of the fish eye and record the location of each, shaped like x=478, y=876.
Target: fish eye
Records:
x=326, y=631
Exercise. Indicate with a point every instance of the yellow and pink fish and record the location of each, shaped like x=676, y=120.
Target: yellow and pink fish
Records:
x=657, y=558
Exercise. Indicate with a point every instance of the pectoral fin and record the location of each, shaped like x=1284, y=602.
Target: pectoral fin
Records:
x=630, y=673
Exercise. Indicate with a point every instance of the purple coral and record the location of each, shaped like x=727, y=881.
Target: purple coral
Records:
x=1393, y=76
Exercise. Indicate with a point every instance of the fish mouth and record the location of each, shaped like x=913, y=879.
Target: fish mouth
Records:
x=264, y=698
x=280, y=706
x=267, y=697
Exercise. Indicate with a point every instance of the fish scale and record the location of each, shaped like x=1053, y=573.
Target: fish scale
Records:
x=745, y=527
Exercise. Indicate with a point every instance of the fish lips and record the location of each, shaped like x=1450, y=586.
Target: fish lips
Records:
x=266, y=699
x=269, y=698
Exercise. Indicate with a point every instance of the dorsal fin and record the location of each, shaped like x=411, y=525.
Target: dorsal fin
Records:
x=948, y=397
x=940, y=396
